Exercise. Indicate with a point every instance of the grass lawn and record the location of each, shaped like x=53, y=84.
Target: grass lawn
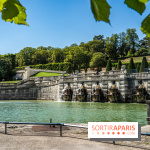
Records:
x=136, y=59
x=47, y=74
x=11, y=81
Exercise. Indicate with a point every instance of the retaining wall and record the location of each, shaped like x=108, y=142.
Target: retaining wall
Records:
x=50, y=88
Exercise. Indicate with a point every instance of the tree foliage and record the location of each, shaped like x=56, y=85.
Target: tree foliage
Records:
x=6, y=68
x=98, y=61
x=13, y=11
x=119, y=65
x=144, y=64
x=109, y=65
x=131, y=64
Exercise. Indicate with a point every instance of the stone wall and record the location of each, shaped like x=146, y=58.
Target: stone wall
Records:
x=125, y=83
x=50, y=88
x=24, y=91
x=46, y=88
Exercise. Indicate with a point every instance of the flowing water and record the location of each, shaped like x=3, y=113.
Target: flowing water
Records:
x=71, y=112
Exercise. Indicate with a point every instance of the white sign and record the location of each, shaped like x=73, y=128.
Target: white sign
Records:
x=113, y=130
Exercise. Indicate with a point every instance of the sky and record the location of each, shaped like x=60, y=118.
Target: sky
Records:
x=64, y=22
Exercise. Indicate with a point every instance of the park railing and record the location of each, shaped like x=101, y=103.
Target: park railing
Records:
x=32, y=123
x=60, y=124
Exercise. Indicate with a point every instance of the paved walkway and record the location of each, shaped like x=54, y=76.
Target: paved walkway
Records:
x=25, y=138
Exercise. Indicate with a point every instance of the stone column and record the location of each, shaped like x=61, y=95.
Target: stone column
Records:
x=148, y=112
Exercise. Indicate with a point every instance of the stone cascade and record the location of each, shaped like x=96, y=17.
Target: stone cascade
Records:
x=50, y=88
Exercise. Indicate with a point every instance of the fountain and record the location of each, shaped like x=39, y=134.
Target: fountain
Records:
x=67, y=93
x=81, y=93
x=97, y=94
x=113, y=95
x=140, y=94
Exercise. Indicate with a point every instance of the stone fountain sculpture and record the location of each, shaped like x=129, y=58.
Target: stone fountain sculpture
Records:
x=67, y=93
x=140, y=94
x=81, y=93
x=97, y=94
x=113, y=95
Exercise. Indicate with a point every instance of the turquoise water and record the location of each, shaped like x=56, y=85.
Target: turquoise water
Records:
x=71, y=112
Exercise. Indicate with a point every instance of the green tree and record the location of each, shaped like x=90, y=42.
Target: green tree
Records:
x=98, y=61
x=131, y=64
x=44, y=57
x=132, y=40
x=6, y=68
x=138, y=67
x=112, y=46
x=122, y=49
x=36, y=57
x=99, y=37
x=144, y=64
x=24, y=57
x=119, y=65
x=57, y=55
x=94, y=46
x=109, y=65
x=74, y=55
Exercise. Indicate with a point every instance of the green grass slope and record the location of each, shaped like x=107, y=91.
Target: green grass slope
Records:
x=47, y=74
x=135, y=59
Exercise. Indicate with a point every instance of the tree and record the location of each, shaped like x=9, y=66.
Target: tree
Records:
x=94, y=46
x=109, y=65
x=98, y=61
x=44, y=57
x=131, y=64
x=132, y=40
x=6, y=68
x=99, y=37
x=138, y=67
x=74, y=45
x=119, y=65
x=122, y=49
x=144, y=64
x=24, y=57
x=112, y=46
x=74, y=55
x=85, y=60
x=57, y=55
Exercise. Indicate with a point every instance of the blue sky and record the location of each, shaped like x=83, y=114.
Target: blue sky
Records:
x=64, y=22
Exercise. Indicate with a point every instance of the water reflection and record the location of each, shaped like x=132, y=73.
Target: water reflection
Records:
x=71, y=112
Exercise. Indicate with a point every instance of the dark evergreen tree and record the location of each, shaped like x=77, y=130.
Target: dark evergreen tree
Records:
x=109, y=65
x=144, y=64
x=131, y=64
x=138, y=67
x=119, y=65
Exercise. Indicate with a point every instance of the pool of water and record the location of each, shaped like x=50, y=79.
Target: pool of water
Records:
x=71, y=112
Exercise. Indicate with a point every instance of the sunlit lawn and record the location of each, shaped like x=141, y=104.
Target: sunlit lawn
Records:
x=11, y=81
x=47, y=74
x=135, y=59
